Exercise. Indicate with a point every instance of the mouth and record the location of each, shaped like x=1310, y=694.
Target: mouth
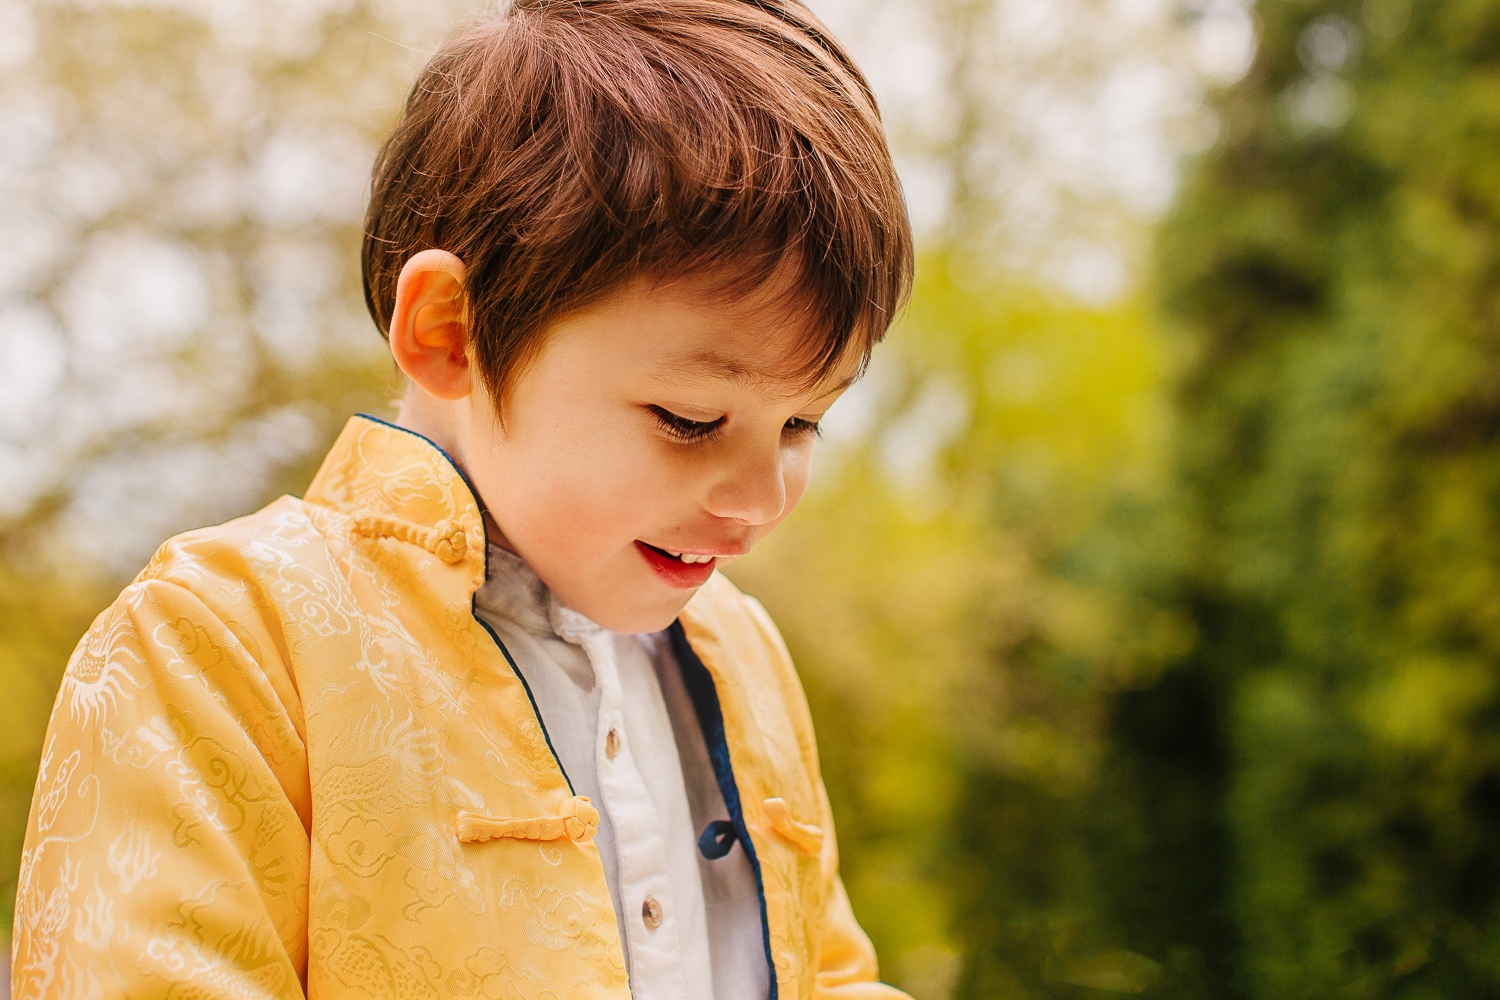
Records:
x=682, y=570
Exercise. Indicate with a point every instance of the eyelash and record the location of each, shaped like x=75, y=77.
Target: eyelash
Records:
x=797, y=426
x=694, y=431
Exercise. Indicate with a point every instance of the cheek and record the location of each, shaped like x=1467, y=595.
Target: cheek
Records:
x=596, y=495
x=796, y=473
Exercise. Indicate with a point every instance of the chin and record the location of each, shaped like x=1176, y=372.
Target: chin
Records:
x=632, y=621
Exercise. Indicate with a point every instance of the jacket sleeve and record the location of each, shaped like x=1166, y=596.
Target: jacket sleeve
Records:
x=167, y=843
x=847, y=968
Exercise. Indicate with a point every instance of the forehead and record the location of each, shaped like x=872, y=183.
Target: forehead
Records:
x=694, y=330
x=789, y=376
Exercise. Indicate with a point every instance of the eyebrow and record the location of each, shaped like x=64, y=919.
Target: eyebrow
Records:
x=712, y=364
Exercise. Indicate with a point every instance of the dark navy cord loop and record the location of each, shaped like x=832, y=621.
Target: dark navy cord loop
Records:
x=718, y=839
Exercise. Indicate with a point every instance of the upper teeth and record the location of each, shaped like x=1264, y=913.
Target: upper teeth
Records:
x=688, y=557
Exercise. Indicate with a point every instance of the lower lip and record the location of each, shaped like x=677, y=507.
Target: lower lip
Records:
x=676, y=573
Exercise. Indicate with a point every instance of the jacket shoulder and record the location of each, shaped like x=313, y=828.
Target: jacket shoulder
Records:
x=287, y=531
x=726, y=617
x=265, y=578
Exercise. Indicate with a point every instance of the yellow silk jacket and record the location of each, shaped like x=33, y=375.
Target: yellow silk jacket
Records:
x=289, y=761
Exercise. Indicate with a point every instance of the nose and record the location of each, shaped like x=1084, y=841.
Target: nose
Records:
x=752, y=489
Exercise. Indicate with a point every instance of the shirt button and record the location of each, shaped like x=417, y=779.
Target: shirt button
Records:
x=612, y=745
x=651, y=913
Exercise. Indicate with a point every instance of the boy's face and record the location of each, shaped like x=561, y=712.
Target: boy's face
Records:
x=657, y=426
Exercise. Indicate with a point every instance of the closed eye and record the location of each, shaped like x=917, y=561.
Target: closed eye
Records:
x=684, y=430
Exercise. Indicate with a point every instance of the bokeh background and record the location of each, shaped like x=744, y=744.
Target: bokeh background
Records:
x=1148, y=596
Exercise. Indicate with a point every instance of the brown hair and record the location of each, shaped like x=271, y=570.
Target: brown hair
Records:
x=567, y=146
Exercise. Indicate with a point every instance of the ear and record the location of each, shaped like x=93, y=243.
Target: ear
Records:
x=429, y=333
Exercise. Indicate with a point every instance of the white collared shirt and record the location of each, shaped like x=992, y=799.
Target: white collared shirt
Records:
x=623, y=726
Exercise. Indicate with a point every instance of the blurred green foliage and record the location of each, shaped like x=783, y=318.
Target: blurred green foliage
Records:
x=1296, y=791
x=1332, y=269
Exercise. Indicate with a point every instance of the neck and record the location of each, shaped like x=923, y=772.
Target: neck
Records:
x=434, y=419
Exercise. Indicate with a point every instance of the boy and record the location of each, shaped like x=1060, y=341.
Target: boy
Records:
x=476, y=717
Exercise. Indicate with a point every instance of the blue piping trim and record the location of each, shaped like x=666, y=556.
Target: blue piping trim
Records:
x=474, y=494
x=531, y=697
x=700, y=685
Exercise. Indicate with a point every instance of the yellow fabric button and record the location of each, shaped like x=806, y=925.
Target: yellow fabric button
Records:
x=452, y=543
x=651, y=913
x=612, y=744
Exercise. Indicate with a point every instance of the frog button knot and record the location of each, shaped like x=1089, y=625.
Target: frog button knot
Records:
x=452, y=542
